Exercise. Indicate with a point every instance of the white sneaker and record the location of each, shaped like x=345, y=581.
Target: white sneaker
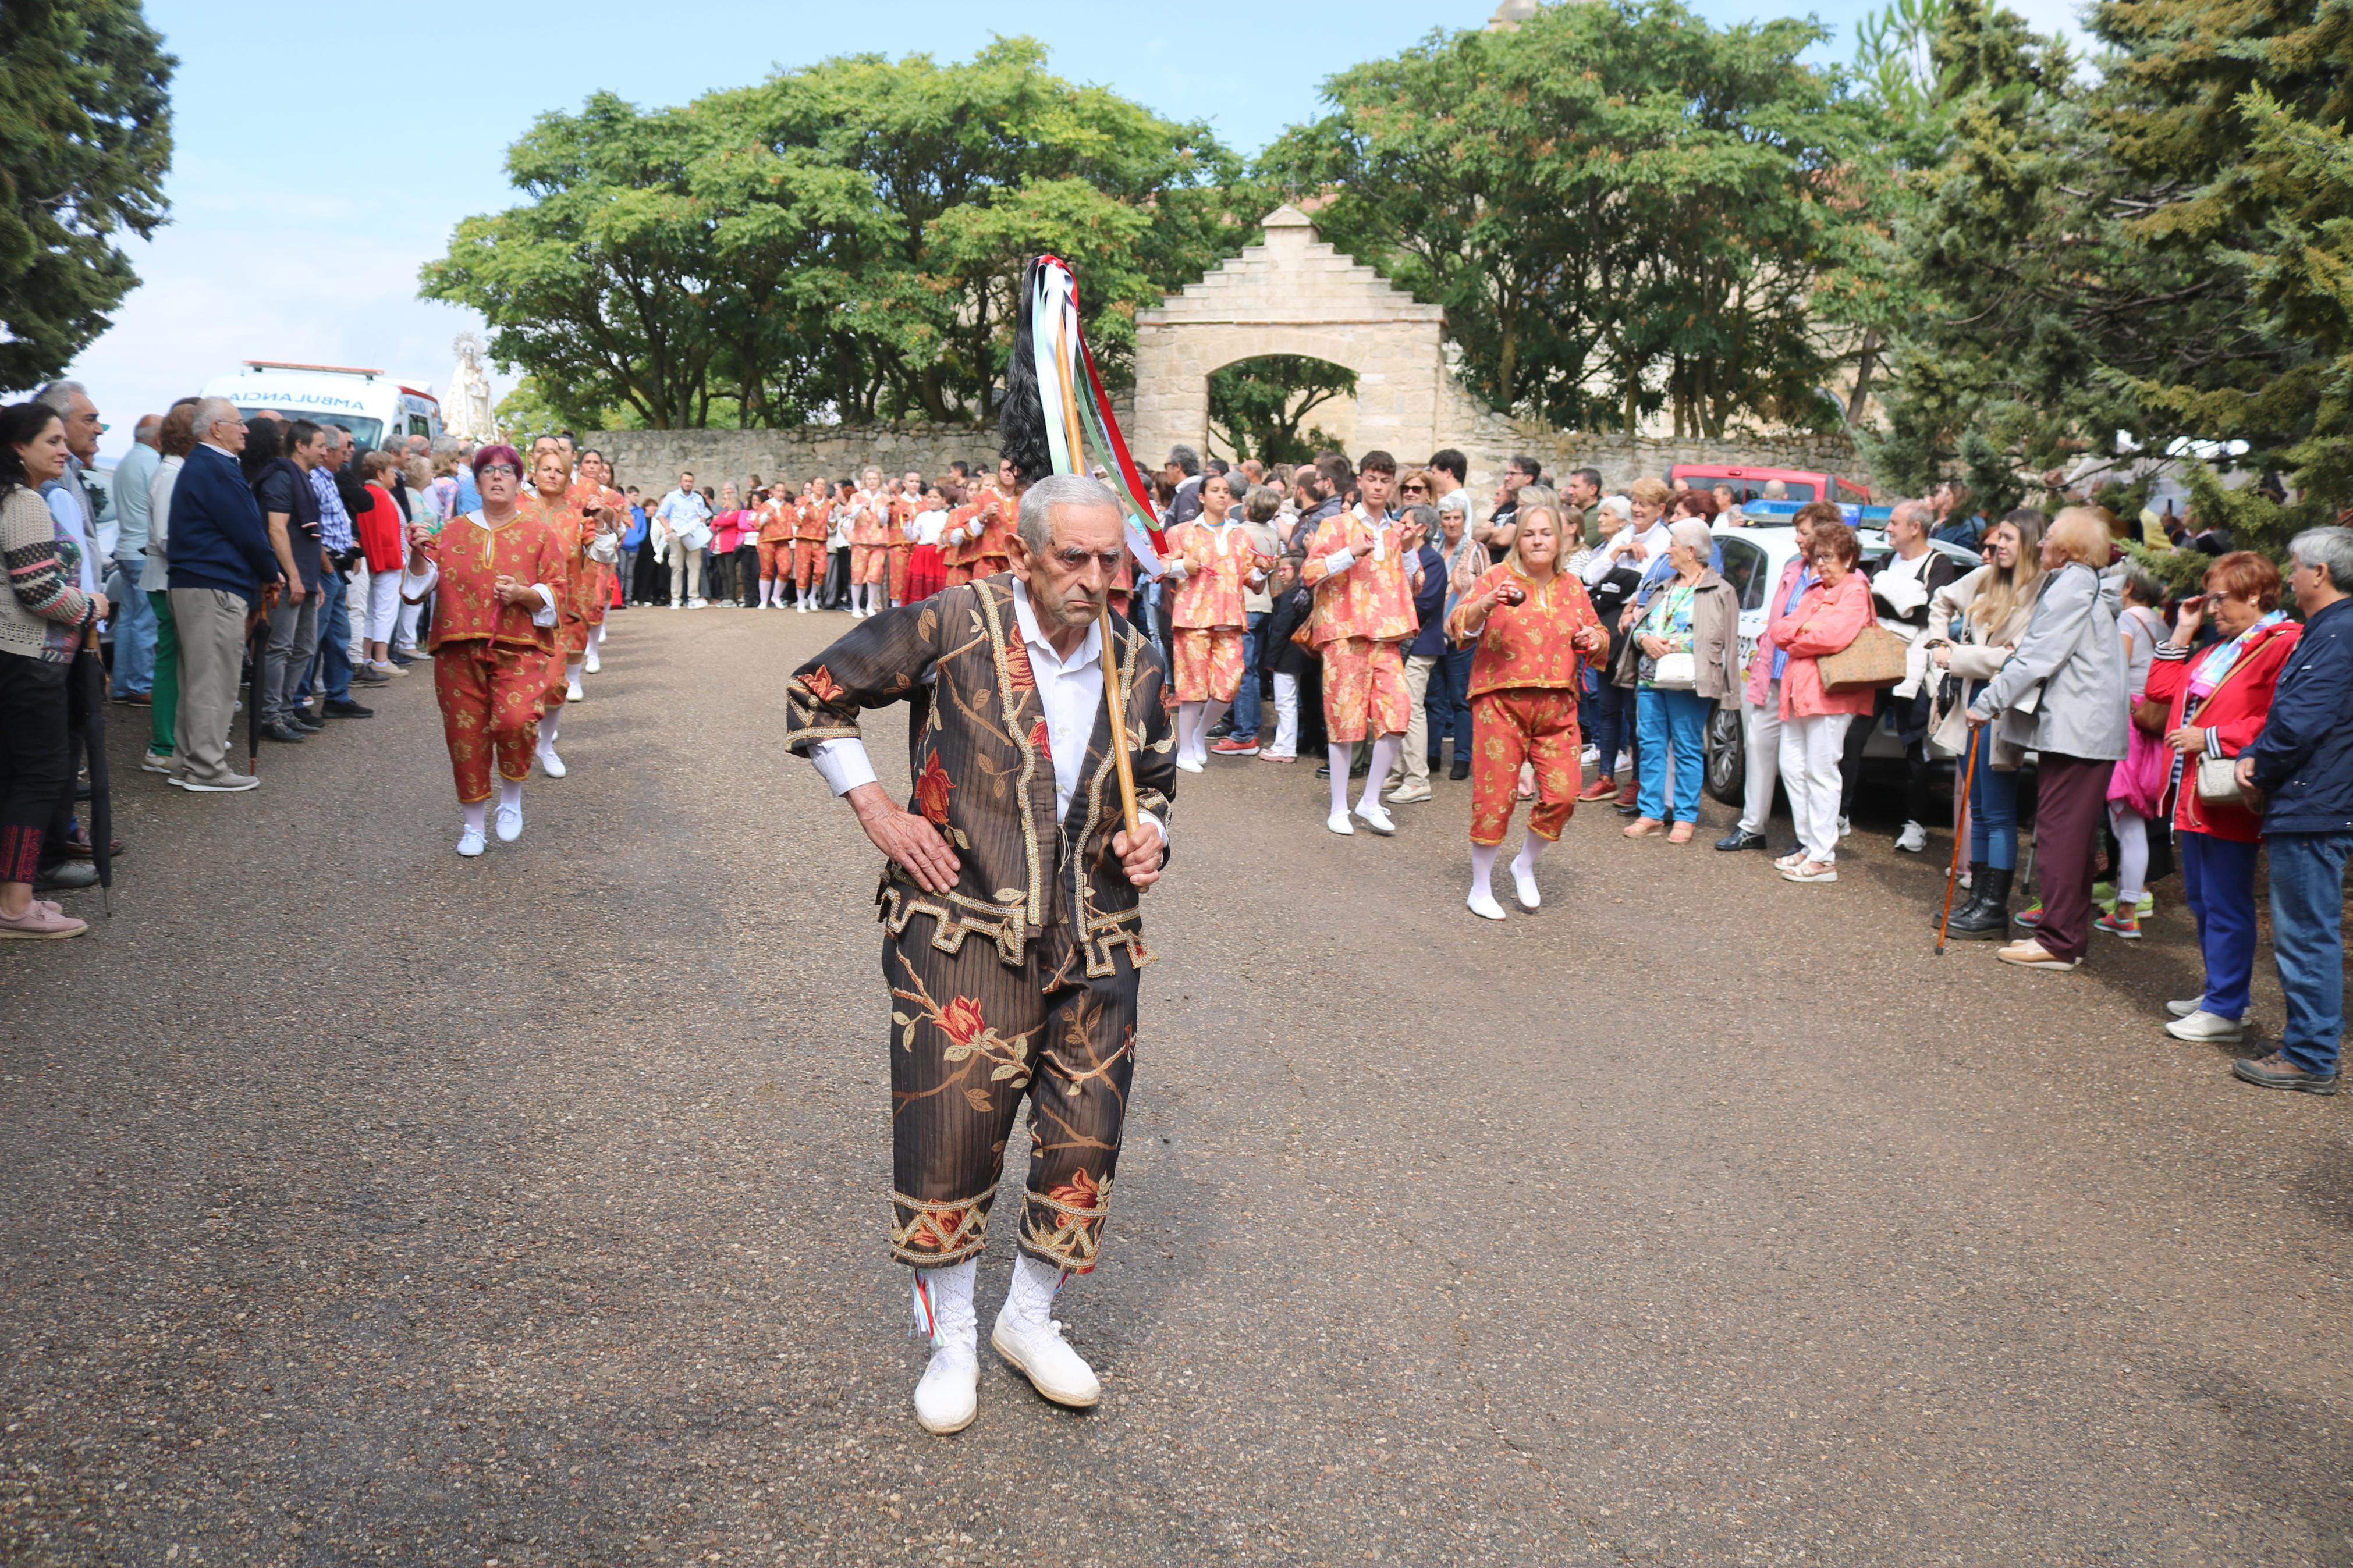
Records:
x=1484, y=906
x=802, y=605
x=1185, y=763
x=698, y=603
x=471, y=843
x=1052, y=1367
x=550, y=764
x=1524, y=883
x=572, y=693
x=1378, y=818
x=509, y=823
x=594, y=664
x=1338, y=822
x=2201, y=1024
x=1913, y=839
x=949, y=1395
x=1846, y=828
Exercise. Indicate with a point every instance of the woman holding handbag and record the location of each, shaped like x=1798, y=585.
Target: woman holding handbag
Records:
x=2216, y=702
x=2137, y=791
x=1686, y=650
x=2062, y=694
x=1829, y=616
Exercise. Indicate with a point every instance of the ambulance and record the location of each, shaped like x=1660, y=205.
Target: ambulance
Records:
x=373, y=407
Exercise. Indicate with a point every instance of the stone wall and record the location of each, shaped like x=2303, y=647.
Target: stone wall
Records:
x=650, y=459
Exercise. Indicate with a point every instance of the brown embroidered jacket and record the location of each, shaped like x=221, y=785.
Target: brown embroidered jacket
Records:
x=978, y=752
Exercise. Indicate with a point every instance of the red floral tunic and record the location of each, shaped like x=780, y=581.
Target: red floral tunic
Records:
x=1373, y=598
x=1218, y=557
x=1532, y=643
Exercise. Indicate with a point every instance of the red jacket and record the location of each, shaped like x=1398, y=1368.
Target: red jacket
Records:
x=380, y=532
x=1825, y=621
x=2235, y=713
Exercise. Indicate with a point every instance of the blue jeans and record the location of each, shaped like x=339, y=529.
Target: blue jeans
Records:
x=332, y=665
x=1672, y=721
x=2309, y=942
x=135, y=637
x=1450, y=703
x=1993, y=817
x=1246, y=700
x=2218, y=877
x=1613, y=712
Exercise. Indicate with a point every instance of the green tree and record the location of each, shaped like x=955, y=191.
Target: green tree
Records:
x=85, y=141
x=842, y=240
x=1620, y=208
x=1259, y=408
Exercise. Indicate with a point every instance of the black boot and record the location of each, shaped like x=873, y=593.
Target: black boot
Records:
x=1987, y=920
x=1968, y=898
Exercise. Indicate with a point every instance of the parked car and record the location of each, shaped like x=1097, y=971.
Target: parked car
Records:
x=1798, y=486
x=1752, y=559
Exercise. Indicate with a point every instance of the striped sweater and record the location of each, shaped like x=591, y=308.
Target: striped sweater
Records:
x=42, y=614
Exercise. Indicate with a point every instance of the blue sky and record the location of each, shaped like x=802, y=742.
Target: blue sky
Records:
x=321, y=159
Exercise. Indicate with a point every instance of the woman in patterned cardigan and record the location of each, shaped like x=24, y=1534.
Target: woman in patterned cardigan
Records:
x=44, y=621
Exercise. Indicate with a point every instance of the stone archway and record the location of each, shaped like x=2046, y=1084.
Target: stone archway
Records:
x=1292, y=294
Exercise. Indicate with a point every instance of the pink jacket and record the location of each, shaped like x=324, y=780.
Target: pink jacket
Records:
x=1825, y=621
x=1760, y=660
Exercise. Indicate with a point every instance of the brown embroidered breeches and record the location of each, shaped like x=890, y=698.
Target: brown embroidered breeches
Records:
x=970, y=1039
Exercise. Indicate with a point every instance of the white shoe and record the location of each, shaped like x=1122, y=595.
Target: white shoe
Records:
x=572, y=693
x=509, y=823
x=1052, y=1367
x=1524, y=883
x=1338, y=822
x=1484, y=906
x=802, y=605
x=1846, y=828
x=1913, y=839
x=2201, y=1024
x=1185, y=763
x=471, y=843
x=594, y=664
x=949, y=1395
x=550, y=764
x=1378, y=818
x=2186, y=1006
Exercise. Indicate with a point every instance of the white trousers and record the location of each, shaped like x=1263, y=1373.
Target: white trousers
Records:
x=1286, y=716
x=405, y=639
x=1761, y=731
x=383, y=605
x=685, y=572
x=1810, y=771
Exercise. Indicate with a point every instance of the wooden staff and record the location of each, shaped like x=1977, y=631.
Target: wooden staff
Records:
x=1953, y=877
x=1118, y=707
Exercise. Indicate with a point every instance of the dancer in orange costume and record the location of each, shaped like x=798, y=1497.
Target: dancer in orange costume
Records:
x=811, y=519
x=494, y=617
x=604, y=507
x=557, y=499
x=1362, y=619
x=1534, y=631
x=906, y=505
x=869, y=544
x=1212, y=562
x=774, y=542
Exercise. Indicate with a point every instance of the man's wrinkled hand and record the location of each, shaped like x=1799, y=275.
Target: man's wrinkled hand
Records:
x=1140, y=853
x=910, y=841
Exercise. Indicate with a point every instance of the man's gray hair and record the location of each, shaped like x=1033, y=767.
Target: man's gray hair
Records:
x=1692, y=534
x=60, y=396
x=211, y=411
x=1057, y=489
x=1188, y=460
x=2330, y=549
x=1917, y=511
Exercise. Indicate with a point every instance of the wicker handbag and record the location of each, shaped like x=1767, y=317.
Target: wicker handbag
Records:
x=1875, y=657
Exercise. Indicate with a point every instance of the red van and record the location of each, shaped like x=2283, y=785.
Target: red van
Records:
x=1800, y=485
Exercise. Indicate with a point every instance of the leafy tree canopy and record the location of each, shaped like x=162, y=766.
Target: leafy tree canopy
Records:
x=1260, y=407
x=85, y=141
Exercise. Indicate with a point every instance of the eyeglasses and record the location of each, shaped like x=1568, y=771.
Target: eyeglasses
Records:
x=487, y=469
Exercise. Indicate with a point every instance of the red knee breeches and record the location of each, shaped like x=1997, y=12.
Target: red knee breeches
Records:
x=489, y=709
x=1536, y=725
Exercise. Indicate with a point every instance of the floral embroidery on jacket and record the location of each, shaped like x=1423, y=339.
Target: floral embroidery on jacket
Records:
x=932, y=789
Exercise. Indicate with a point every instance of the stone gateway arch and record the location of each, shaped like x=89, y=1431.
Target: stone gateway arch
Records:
x=1293, y=294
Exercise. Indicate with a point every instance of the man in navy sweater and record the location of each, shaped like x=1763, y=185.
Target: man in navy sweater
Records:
x=2302, y=764
x=221, y=563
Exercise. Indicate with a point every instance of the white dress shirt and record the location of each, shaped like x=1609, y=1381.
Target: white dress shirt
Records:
x=1070, y=691
x=415, y=585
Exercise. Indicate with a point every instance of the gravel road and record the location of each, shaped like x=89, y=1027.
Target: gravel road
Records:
x=360, y=1203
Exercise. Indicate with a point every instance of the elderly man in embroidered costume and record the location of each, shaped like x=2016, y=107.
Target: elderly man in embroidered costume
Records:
x=493, y=632
x=1010, y=910
x=1362, y=618
x=1214, y=562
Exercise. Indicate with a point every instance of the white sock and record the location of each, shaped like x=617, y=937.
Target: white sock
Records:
x=1385, y=756
x=1524, y=864
x=1338, y=754
x=766, y=585
x=476, y=815
x=1483, y=869
x=1029, y=1301
x=941, y=1298
x=510, y=793
x=1188, y=727
x=597, y=636
x=1211, y=713
x=547, y=728
x=572, y=670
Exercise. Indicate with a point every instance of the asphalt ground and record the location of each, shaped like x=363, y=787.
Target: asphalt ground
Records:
x=361, y=1203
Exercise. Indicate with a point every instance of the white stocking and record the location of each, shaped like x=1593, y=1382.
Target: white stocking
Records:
x=1210, y=714
x=510, y=791
x=1188, y=726
x=941, y=1298
x=1524, y=864
x=1483, y=869
x=1029, y=1301
x=1385, y=756
x=572, y=670
x=547, y=728
x=767, y=587
x=1339, y=752
x=476, y=815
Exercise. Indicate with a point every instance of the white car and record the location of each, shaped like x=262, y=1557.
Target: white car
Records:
x=1752, y=559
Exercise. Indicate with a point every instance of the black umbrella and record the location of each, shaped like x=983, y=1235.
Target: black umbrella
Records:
x=91, y=670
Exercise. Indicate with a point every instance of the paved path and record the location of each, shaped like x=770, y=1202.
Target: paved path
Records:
x=359, y=1203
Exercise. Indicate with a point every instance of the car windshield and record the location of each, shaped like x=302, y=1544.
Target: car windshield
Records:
x=366, y=432
x=1800, y=490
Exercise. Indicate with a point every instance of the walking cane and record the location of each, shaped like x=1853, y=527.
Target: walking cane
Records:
x=1953, y=877
x=1118, y=706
